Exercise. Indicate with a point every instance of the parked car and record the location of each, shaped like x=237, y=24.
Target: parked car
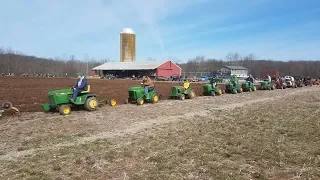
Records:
x=175, y=77
x=204, y=78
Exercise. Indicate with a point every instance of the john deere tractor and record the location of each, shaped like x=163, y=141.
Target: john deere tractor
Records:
x=247, y=87
x=233, y=86
x=59, y=100
x=136, y=95
x=209, y=90
x=266, y=85
x=182, y=92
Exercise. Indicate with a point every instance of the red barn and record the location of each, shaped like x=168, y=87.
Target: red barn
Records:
x=130, y=69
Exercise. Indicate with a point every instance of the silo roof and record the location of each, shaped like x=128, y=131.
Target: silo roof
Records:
x=127, y=31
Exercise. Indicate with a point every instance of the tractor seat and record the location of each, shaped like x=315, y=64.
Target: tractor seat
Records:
x=87, y=91
x=186, y=85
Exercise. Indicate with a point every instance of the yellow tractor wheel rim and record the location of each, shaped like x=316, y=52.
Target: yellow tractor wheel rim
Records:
x=113, y=102
x=240, y=89
x=219, y=92
x=93, y=104
x=192, y=94
x=66, y=110
x=254, y=88
x=140, y=101
x=155, y=98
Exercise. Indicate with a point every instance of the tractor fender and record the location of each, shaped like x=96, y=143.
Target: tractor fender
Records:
x=91, y=95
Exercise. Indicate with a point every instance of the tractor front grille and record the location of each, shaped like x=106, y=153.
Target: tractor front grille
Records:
x=131, y=94
x=174, y=90
x=51, y=99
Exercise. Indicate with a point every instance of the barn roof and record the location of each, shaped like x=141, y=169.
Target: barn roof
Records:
x=147, y=65
x=236, y=67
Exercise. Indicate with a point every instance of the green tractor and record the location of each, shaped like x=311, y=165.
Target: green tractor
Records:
x=266, y=85
x=59, y=100
x=233, y=86
x=136, y=95
x=208, y=89
x=247, y=87
x=182, y=92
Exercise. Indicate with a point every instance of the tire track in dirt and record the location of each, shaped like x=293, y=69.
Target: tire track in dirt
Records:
x=148, y=124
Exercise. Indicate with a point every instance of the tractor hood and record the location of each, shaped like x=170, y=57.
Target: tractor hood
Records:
x=136, y=88
x=177, y=87
x=61, y=91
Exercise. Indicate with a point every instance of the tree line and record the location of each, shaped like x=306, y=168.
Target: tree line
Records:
x=19, y=63
x=14, y=62
x=254, y=65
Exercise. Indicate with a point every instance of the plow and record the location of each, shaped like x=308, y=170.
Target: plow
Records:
x=7, y=106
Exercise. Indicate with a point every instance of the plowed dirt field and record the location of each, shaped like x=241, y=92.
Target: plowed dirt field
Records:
x=28, y=93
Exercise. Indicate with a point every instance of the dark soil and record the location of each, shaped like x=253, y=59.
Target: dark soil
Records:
x=28, y=93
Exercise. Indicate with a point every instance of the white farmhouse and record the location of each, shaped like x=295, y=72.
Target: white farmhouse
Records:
x=239, y=71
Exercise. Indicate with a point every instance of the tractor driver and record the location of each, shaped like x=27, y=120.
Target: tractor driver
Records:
x=81, y=85
x=213, y=82
x=148, y=85
x=250, y=80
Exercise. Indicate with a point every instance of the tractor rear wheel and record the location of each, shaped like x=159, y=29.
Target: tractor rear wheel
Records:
x=64, y=109
x=140, y=101
x=155, y=98
x=182, y=97
x=91, y=104
x=191, y=95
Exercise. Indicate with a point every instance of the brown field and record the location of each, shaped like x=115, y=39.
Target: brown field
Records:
x=258, y=135
x=28, y=93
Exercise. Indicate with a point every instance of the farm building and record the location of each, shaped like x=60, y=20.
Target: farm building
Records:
x=138, y=69
x=239, y=71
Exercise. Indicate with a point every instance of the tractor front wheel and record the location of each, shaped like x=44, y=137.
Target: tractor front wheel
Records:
x=254, y=88
x=213, y=93
x=91, y=104
x=155, y=98
x=140, y=101
x=219, y=92
x=191, y=95
x=64, y=109
x=182, y=97
x=234, y=91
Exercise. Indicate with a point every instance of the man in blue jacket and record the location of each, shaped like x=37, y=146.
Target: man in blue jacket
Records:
x=81, y=85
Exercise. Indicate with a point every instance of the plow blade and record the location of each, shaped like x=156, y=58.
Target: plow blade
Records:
x=111, y=102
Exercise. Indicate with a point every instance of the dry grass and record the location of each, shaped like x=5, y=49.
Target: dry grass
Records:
x=272, y=140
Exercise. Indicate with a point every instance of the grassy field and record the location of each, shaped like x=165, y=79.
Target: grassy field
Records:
x=269, y=139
